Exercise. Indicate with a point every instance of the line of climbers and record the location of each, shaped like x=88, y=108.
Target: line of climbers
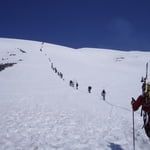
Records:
x=71, y=82
x=74, y=84
x=56, y=70
x=52, y=66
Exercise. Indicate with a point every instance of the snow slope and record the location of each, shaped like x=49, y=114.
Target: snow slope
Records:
x=40, y=111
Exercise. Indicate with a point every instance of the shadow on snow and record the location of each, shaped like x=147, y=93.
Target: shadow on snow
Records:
x=115, y=146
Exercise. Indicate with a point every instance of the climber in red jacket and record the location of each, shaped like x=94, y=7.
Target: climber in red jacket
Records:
x=144, y=101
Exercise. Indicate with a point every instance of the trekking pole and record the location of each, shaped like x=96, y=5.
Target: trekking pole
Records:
x=146, y=71
x=133, y=131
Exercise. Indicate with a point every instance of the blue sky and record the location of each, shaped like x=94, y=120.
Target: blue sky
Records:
x=116, y=24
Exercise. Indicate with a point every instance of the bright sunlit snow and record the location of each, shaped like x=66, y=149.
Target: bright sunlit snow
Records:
x=40, y=111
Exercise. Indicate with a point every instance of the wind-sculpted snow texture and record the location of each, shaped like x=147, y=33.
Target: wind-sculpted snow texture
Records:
x=40, y=111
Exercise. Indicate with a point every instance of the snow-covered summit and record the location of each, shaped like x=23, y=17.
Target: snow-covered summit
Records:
x=39, y=110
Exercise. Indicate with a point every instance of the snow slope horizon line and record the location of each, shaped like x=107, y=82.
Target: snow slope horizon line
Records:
x=83, y=48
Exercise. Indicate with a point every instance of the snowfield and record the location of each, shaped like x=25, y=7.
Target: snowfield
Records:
x=40, y=111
